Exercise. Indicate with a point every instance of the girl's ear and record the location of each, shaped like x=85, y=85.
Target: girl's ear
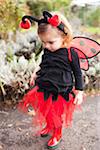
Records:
x=67, y=40
x=64, y=43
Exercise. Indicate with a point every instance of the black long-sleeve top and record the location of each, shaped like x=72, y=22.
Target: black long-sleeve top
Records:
x=57, y=72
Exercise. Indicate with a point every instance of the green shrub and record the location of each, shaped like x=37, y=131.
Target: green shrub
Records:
x=38, y=6
x=10, y=15
x=94, y=18
x=89, y=16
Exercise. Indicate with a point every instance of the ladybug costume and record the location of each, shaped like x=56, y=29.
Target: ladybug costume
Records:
x=53, y=96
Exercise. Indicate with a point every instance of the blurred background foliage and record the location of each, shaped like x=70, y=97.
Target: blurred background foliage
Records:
x=37, y=6
x=93, y=19
x=89, y=16
x=19, y=48
x=11, y=12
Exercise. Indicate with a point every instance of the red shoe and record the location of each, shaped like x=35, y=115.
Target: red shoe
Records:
x=56, y=138
x=45, y=132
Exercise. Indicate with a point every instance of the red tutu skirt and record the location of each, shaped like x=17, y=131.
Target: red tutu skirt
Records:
x=54, y=113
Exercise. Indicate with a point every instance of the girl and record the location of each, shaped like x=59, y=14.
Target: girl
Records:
x=53, y=97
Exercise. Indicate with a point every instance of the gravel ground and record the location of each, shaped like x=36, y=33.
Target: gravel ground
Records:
x=16, y=130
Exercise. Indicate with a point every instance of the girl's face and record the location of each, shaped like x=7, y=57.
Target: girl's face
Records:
x=51, y=39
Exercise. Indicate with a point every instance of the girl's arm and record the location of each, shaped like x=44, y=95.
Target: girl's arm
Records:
x=34, y=76
x=75, y=65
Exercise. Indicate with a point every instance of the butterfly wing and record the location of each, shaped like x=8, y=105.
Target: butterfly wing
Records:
x=86, y=48
x=84, y=64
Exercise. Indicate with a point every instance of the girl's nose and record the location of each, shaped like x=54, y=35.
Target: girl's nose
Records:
x=47, y=45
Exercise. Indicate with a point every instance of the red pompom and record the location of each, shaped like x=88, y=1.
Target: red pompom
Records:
x=26, y=24
x=54, y=21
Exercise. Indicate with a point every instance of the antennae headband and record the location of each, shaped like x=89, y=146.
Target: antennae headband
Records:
x=47, y=18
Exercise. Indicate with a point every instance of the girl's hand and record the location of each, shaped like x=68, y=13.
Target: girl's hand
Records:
x=31, y=112
x=33, y=78
x=79, y=98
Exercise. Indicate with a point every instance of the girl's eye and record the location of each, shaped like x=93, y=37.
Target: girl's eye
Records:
x=51, y=42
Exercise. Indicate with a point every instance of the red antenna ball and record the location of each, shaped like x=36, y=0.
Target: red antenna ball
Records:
x=25, y=25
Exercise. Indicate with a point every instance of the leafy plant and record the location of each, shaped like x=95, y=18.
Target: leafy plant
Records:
x=94, y=18
x=10, y=14
x=38, y=6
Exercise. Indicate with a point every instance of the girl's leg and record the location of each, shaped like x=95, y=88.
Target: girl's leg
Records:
x=49, y=125
x=56, y=127
x=45, y=131
x=56, y=138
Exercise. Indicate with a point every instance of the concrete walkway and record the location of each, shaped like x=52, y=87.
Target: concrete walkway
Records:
x=16, y=130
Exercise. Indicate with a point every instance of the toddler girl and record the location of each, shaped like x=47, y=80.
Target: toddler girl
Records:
x=58, y=82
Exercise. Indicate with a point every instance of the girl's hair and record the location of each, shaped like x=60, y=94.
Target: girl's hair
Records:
x=43, y=27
